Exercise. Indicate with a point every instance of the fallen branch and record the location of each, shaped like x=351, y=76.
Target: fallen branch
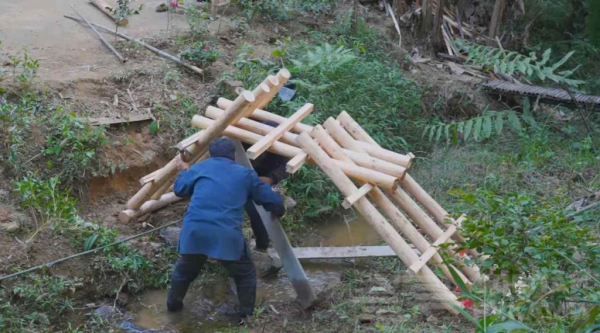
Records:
x=391, y=12
x=110, y=47
x=149, y=47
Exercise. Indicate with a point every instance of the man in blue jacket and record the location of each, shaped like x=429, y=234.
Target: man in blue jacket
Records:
x=212, y=225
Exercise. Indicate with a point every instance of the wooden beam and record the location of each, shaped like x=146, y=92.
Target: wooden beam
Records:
x=266, y=141
x=280, y=148
x=432, y=250
x=354, y=128
x=296, y=163
x=439, y=291
x=349, y=201
x=345, y=252
x=149, y=206
x=199, y=148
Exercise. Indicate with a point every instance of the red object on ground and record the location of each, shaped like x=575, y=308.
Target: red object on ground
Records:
x=457, y=289
x=468, y=303
x=207, y=48
x=463, y=252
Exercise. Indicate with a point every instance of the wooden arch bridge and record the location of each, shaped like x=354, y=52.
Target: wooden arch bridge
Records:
x=373, y=180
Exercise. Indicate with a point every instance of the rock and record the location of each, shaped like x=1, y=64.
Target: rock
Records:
x=432, y=320
x=231, y=87
x=288, y=202
x=366, y=318
x=267, y=264
x=384, y=312
x=123, y=299
x=4, y=214
x=104, y=311
x=171, y=235
x=380, y=291
x=162, y=8
x=10, y=226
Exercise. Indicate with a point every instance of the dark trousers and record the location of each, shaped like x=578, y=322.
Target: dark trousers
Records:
x=242, y=271
x=258, y=227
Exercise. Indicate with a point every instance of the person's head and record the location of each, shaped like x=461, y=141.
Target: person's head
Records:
x=222, y=147
x=270, y=123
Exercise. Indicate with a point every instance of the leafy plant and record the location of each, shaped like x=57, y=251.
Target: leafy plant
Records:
x=274, y=9
x=481, y=127
x=509, y=62
x=123, y=11
x=201, y=54
x=198, y=22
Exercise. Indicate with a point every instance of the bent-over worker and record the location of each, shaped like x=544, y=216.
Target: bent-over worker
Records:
x=212, y=225
x=271, y=170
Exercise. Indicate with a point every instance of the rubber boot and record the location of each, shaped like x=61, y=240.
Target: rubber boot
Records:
x=176, y=295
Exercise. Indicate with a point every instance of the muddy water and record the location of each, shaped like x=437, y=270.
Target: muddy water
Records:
x=208, y=302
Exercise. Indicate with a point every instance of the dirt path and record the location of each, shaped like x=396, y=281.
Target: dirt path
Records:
x=66, y=49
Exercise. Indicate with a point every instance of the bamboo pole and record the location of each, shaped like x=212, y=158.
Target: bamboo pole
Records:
x=149, y=207
x=354, y=128
x=432, y=250
x=104, y=7
x=107, y=44
x=280, y=148
x=282, y=77
x=258, y=148
x=378, y=222
x=147, y=46
x=198, y=148
x=383, y=202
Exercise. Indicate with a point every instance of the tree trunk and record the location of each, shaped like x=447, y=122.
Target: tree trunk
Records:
x=438, y=40
x=494, y=30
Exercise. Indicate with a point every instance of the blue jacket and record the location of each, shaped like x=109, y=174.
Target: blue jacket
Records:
x=219, y=188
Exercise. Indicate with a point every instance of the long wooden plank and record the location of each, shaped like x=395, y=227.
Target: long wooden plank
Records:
x=293, y=268
x=343, y=252
x=263, y=144
x=349, y=201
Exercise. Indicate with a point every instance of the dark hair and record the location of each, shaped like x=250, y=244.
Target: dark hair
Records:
x=222, y=147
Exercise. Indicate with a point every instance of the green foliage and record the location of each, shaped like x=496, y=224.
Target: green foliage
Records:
x=201, y=54
x=272, y=9
x=509, y=62
x=198, y=22
x=35, y=305
x=72, y=145
x=481, y=127
x=593, y=22
x=123, y=11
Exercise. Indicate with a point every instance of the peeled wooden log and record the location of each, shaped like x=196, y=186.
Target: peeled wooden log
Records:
x=279, y=148
x=108, y=10
x=199, y=148
x=379, y=223
x=148, y=207
x=383, y=202
x=354, y=128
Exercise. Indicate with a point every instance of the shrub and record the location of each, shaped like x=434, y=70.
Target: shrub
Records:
x=201, y=54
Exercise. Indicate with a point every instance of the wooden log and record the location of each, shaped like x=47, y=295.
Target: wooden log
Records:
x=296, y=163
x=147, y=46
x=378, y=222
x=280, y=148
x=437, y=23
x=199, y=148
x=434, y=208
x=349, y=201
x=102, y=39
x=261, y=146
x=432, y=250
x=343, y=252
x=282, y=77
x=497, y=15
x=354, y=128
x=148, y=207
x=383, y=202
x=108, y=10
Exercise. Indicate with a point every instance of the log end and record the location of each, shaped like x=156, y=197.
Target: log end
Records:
x=272, y=80
x=127, y=216
x=248, y=96
x=123, y=22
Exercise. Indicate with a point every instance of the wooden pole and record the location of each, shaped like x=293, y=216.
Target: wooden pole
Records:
x=383, y=202
x=425, y=18
x=261, y=146
x=107, y=44
x=282, y=78
x=378, y=222
x=104, y=7
x=147, y=46
x=437, y=25
x=198, y=148
x=148, y=207
x=354, y=128
x=497, y=15
x=280, y=148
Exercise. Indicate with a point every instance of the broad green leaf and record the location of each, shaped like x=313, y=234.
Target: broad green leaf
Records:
x=563, y=60
x=447, y=132
x=514, y=121
x=477, y=129
x=431, y=132
x=499, y=123
x=487, y=126
x=154, y=128
x=461, y=127
x=89, y=242
x=545, y=57
x=425, y=130
x=439, y=133
x=526, y=105
x=468, y=127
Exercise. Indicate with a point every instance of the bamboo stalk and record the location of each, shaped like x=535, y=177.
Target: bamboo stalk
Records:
x=148, y=207
x=378, y=222
x=147, y=46
x=107, y=44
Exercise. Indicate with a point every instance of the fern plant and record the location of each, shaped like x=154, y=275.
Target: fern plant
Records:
x=509, y=62
x=482, y=127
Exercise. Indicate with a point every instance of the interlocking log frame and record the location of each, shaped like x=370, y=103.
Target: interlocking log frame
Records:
x=387, y=197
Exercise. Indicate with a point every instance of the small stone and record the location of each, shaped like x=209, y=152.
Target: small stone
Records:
x=366, y=318
x=231, y=87
x=162, y=8
x=155, y=246
x=123, y=299
x=171, y=235
x=10, y=226
x=4, y=214
x=432, y=320
x=104, y=311
x=384, y=312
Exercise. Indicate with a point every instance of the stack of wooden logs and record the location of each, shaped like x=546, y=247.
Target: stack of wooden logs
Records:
x=348, y=155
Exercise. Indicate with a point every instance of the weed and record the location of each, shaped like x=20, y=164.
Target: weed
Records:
x=123, y=11
x=198, y=22
x=201, y=54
